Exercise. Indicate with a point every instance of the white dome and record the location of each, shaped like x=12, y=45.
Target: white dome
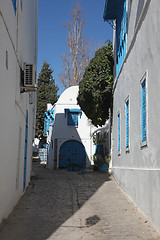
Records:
x=69, y=96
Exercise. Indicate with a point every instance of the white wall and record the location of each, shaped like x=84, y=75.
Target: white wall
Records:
x=138, y=171
x=20, y=41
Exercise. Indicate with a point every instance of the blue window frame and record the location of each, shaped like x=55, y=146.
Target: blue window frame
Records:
x=14, y=5
x=119, y=132
x=127, y=123
x=143, y=111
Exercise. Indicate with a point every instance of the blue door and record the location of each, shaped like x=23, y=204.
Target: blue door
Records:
x=25, y=152
x=74, y=152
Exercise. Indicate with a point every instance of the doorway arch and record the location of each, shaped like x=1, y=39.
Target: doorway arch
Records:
x=74, y=151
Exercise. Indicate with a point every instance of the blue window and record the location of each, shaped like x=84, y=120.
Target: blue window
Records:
x=14, y=5
x=72, y=116
x=72, y=119
x=127, y=123
x=119, y=132
x=143, y=111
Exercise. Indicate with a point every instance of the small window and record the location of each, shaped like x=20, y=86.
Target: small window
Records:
x=72, y=116
x=143, y=111
x=127, y=123
x=72, y=119
x=119, y=133
x=14, y=5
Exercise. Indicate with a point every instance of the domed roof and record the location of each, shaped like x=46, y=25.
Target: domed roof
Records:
x=69, y=96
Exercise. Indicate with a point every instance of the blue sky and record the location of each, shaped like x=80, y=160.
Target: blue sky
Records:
x=52, y=35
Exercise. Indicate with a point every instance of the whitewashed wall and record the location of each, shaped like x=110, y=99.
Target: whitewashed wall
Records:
x=138, y=171
x=19, y=38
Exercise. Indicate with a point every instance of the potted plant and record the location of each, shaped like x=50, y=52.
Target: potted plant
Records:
x=102, y=162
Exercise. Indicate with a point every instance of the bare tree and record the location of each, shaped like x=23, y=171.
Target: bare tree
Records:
x=77, y=58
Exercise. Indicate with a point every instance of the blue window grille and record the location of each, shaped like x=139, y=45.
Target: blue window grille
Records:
x=127, y=123
x=121, y=32
x=143, y=111
x=14, y=5
x=119, y=132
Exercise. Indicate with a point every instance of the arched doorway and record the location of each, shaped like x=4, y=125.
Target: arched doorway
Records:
x=72, y=151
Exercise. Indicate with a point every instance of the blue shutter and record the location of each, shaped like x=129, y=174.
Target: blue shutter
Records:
x=73, y=119
x=121, y=31
x=127, y=124
x=45, y=127
x=118, y=132
x=14, y=5
x=48, y=123
x=143, y=111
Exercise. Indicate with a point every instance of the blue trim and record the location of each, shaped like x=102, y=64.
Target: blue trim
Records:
x=127, y=124
x=48, y=119
x=118, y=132
x=72, y=110
x=25, y=152
x=143, y=111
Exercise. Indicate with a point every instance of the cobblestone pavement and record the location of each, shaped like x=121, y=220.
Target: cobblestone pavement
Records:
x=61, y=205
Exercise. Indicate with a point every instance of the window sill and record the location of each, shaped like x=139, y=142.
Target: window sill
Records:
x=143, y=144
x=127, y=150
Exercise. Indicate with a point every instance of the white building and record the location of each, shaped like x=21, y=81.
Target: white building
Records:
x=70, y=137
x=18, y=45
x=135, y=135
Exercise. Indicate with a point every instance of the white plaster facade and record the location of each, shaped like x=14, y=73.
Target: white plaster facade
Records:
x=62, y=132
x=138, y=170
x=18, y=44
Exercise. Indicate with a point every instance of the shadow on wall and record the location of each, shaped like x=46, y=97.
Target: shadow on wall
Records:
x=70, y=145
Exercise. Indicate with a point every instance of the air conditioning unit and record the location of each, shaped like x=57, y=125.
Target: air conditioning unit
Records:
x=30, y=77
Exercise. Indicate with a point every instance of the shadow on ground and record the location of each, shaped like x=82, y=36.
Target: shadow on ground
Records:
x=52, y=197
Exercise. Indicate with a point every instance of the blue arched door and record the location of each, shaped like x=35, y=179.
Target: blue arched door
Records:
x=74, y=151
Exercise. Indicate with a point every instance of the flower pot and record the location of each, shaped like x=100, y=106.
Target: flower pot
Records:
x=102, y=168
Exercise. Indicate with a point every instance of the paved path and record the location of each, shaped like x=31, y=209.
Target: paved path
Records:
x=61, y=205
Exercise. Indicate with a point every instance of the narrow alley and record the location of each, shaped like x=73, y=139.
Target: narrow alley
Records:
x=62, y=205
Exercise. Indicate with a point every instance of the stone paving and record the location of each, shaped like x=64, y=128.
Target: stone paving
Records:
x=62, y=205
